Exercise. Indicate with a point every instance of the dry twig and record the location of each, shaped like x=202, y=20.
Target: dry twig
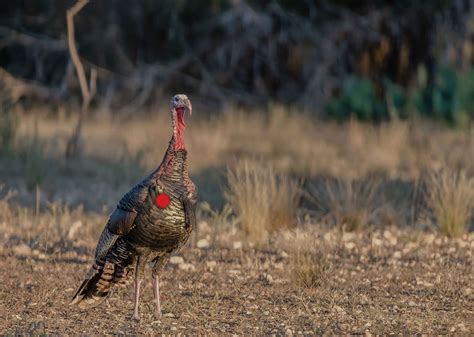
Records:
x=88, y=91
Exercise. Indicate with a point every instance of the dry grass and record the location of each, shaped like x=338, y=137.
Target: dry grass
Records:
x=385, y=148
x=222, y=221
x=347, y=203
x=450, y=197
x=118, y=153
x=263, y=200
x=308, y=264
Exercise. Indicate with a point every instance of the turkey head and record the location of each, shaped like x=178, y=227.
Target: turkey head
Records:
x=180, y=105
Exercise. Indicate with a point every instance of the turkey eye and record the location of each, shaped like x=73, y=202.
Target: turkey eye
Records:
x=162, y=200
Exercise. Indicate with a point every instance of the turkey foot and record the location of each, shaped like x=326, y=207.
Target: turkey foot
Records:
x=156, y=293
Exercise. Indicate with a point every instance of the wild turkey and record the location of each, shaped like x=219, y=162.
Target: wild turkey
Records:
x=151, y=221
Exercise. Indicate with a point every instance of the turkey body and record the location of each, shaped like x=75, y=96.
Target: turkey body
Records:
x=141, y=231
x=163, y=229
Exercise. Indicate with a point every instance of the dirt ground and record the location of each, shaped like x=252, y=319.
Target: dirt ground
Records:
x=392, y=281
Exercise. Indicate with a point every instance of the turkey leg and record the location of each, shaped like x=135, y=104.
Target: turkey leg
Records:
x=156, y=293
x=138, y=283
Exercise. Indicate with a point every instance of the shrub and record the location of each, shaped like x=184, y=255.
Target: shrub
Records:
x=308, y=263
x=263, y=200
x=347, y=203
x=449, y=98
x=358, y=100
x=450, y=198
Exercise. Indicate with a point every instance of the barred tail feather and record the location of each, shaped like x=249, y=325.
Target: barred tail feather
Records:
x=103, y=276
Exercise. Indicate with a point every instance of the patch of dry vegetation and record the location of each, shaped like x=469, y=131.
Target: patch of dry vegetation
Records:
x=263, y=200
x=308, y=263
x=450, y=197
x=47, y=227
x=347, y=203
x=385, y=148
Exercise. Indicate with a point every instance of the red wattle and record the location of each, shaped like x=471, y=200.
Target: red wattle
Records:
x=162, y=200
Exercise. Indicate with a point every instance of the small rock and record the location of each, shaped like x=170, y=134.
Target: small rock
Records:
x=387, y=234
x=347, y=236
x=411, y=304
x=410, y=246
x=339, y=309
x=328, y=236
x=429, y=239
x=393, y=241
x=169, y=315
x=279, y=266
x=463, y=327
x=211, y=264
x=203, y=243
x=364, y=299
x=284, y=254
x=467, y=291
x=376, y=242
x=288, y=332
x=397, y=255
x=186, y=267
x=267, y=279
x=237, y=245
x=22, y=250
x=173, y=328
x=350, y=245
x=176, y=260
x=461, y=243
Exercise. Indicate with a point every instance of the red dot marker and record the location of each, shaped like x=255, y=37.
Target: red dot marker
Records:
x=162, y=200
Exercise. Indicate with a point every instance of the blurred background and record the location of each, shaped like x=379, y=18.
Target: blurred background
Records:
x=328, y=93
x=371, y=60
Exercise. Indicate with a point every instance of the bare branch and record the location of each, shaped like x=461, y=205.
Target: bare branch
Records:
x=88, y=92
x=86, y=95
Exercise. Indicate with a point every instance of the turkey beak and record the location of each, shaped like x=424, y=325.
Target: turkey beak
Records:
x=190, y=108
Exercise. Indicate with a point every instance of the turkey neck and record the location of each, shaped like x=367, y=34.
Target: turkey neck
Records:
x=175, y=164
x=178, y=132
